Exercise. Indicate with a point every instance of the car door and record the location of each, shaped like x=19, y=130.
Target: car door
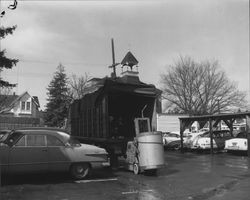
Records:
x=58, y=158
x=29, y=154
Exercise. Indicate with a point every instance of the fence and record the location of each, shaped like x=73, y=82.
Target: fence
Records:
x=18, y=122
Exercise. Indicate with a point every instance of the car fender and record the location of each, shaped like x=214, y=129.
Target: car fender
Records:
x=86, y=153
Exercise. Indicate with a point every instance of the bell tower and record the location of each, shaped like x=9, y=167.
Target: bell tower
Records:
x=129, y=62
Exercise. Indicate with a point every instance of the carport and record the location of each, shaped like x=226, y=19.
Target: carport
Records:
x=214, y=120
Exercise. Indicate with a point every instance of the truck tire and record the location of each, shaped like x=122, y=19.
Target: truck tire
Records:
x=80, y=170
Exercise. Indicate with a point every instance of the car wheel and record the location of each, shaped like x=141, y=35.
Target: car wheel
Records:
x=80, y=170
x=136, y=167
x=177, y=147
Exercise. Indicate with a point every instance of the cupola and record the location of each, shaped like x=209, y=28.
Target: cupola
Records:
x=130, y=74
x=129, y=62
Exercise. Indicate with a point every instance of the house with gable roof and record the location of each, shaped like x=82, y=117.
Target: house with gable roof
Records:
x=19, y=110
x=23, y=105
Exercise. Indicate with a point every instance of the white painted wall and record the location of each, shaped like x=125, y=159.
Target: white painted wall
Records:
x=17, y=108
x=168, y=122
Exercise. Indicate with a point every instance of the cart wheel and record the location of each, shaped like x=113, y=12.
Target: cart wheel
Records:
x=136, y=168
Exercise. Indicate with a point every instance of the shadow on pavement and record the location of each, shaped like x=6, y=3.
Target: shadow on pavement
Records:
x=49, y=178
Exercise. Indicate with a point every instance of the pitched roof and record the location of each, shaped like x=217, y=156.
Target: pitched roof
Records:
x=129, y=60
x=35, y=98
x=7, y=101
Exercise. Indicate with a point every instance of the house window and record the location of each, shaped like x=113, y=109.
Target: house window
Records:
x=23, y=105
x=28, y=106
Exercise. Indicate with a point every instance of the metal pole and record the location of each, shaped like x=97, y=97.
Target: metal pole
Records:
x=248, y=134
x=219, y=113
x=181, y=134
x=113, y=56
x=211, y=136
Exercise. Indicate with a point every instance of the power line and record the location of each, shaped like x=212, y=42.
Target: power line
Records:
x=64, y=63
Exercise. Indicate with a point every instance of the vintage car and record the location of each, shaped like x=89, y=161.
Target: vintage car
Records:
x=170, y=137
x=202, y=142
x=172, y=140
x=189, y=141
x=41, y=150
x=237, y=144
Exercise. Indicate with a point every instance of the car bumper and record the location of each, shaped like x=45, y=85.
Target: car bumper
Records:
x=235, y=148
x=100, y=164
x=203, y=146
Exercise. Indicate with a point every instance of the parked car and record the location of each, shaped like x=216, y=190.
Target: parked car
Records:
x=37, y=150
x=202, y=142
x=189, y=141
x=237, y=144
x=174, y=145
x=172, y=140
x=170, y=137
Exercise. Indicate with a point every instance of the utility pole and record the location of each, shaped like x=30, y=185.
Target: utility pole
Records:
x=113, y=56
x=113, y=60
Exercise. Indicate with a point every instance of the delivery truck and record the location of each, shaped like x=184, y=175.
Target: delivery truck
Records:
x=106, y=113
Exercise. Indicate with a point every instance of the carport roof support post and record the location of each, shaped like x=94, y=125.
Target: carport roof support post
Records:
x=182, y=127
x=248, y=134
x=211, y=135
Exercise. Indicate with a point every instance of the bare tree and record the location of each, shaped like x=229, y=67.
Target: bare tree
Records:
x=4, y=100
x=78, y=85
x=200, y=88
x=77, y=88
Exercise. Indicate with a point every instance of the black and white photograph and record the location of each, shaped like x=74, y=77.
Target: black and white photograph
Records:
x=124, y=100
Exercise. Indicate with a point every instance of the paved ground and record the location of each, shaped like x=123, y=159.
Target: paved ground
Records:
x=188, y=176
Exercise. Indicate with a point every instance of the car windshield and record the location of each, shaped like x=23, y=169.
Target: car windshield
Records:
x=173, y=135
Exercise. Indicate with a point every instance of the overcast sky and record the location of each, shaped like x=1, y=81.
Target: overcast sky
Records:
x=78, y=33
